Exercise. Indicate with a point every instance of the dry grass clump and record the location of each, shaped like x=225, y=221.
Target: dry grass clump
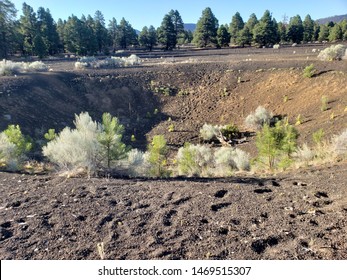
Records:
x=8, y=67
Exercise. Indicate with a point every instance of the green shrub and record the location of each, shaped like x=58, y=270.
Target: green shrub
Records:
x=194, y=160
x=309, y=71
x=276, y=144
x=318, y=136
x=50, y=135
x=324, y=103
x=14, y=147
x=89, y=146
x=157, y=156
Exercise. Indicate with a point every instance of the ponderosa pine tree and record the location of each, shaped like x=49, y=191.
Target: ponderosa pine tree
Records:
x=308, y=26
x=178, y=25
x=335, y=33
x=48, y=30
x=28, y=29
x=167, y=33
x=244, y=37
x=295, y=31
x=7, y=22
x=236, y=26
x=206, y=29
x=113, y=33
x=223, y=36
x=264, y=32
x=100, y=32
x=126, y=34
x=148, y=37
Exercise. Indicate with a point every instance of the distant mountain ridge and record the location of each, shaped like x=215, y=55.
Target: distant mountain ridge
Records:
x=190, y=26
x=336, y=19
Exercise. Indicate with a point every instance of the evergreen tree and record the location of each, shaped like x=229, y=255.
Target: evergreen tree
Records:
x=245, y=37
x=282, y=32
x=316, y=30
x=39, y=46
x=264, y=32
x=343, y=25
x=335, y=33
x=112, y=147
x=77, y=36
x=236, y=26
x=60, y=30
x=275, y=144
x=206, y=29
x=323, y=33
x=126, y=34
x=148, y=37
x=167, y=34
x=28, y=24
x=223, y=36
x=7, y=23
x=89, y=36
x=100, y=31
x=178, y=25
x=48, y=30
x=251, y=23
x=113, y=33
x=158, y=156
x=295, y=30
x=308, y=26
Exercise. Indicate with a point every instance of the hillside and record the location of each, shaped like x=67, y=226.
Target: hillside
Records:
x=297, y=214
x=333, y=19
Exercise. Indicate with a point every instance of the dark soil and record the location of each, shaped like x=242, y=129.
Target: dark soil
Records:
x=299, y=215
x=292, y=216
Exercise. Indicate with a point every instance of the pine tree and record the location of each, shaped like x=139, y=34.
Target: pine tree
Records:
x=295, y=30
x=236, y=26
x=264, y=32
x=28, y=24
x=7, y=22
x=206, y=29
x=178, y=25
x=158, y=156
x=48, y=30
x=113, y=33
x=323, y=33
x=223, y=36
x=282, y=32
x=275, y=144
x=148, y=37
x=335, y=33
x=100, y=31
x=39, y=46
x=244, y=37
x=112, y=147
x=167, y=34
x=126, y=34
x=308, y=26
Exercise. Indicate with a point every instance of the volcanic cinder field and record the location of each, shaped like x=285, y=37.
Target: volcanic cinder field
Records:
x=296, y=214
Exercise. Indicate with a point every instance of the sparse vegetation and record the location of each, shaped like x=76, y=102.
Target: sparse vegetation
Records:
x=259, y=118
x=335, y=52
x=157, y=157
x=110, y=62
x=194, y=160
x=14, y=147
x=309, y=71
x=276, y=144
x=324, y=103
x=8, y=68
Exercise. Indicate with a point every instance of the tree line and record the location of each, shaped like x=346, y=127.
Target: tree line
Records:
x=37, y=33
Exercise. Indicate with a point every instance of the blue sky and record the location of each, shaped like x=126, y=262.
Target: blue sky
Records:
x=151, y=12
